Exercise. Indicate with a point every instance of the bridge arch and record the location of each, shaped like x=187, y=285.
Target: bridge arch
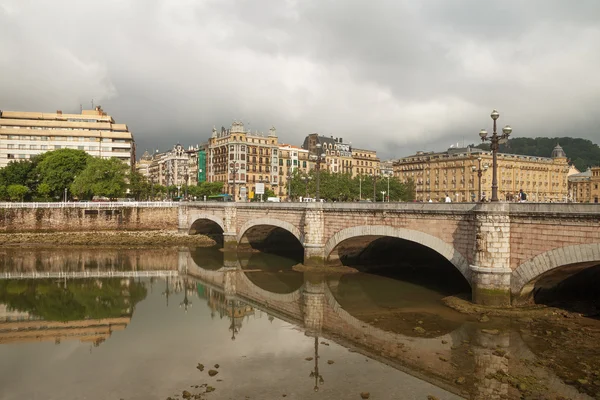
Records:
x=429, y=241
x=527, y=273
x=272, y=222
x=197, y=219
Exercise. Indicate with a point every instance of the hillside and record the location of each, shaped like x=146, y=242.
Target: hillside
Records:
x=581, y=152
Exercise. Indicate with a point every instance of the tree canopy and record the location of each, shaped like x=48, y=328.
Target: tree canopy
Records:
x=101, y=177
x=342, y=187
x=583, y=153
x=76, y=300
x=59, y=168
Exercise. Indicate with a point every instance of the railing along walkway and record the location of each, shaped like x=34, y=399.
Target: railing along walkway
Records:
x=92, y=204
x=87, y=274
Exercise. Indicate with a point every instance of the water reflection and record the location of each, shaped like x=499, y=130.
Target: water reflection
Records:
x=263, y=322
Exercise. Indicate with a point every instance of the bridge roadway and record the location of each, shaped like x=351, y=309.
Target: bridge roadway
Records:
x=315, y=309
x=501, y=249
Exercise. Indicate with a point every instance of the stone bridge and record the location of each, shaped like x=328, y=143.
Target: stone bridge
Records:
x=313, y=306
x=501, y=249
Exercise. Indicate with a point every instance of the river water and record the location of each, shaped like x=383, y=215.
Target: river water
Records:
x=101, y=323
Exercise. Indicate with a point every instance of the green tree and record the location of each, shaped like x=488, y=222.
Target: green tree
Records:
x=101, y=177
x=205, y=189
x=16, y=173
x=17, y=192
x=583, y=153
x=139, y=187
x=43, y=192
x=59, y=168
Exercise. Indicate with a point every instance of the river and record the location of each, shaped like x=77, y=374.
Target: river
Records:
x=102, y=323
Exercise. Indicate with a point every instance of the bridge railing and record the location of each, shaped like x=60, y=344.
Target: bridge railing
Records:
x=83, y=204
x=86, y=274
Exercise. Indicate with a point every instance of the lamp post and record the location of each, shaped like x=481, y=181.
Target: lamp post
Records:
x=495, y=141
x=360, y=187
x=374, y=187
x=289, y=181
x=65, y=195
x=318, y=159
x=479, y=173
x=315, y=373
x=233, y=170
x=306, y=179
x=388, y=191
x=186, y=177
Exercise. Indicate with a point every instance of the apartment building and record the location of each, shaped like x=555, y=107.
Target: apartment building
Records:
x=584, y=187
x=241, y=159
x=292, y=159
x=454, y=173
x=26, y=134
x=365, y=162
x=338, y=155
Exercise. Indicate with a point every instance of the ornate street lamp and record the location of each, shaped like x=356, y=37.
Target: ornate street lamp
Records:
x=306, y=179
x=318, y=159
x=233, y=169
x=315, y=373
x=479, y=173
x=374, y=187
x=186, y=177
x=495, y=142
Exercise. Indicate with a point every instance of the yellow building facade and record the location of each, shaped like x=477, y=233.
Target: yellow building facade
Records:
x=292, y=159
x=241, y=159
x=585, y=186
x=454, y=173
x=365, y=162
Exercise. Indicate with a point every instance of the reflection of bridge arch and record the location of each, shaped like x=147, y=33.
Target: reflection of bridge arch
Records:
x=243, y=283
x=366, y=328
x=198, y=218
x=429, y=241
x=586, y=255
x=270, y=222
x=265, y=294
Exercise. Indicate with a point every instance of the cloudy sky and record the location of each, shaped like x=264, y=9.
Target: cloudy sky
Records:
x=396, y=76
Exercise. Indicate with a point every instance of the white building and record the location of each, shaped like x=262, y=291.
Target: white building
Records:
x=26, y=134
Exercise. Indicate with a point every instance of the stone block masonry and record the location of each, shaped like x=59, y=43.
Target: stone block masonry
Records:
x=79, y=217
x=498, y=247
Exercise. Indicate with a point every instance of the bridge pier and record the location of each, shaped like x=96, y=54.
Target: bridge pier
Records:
x=230, y=241
x=491, y=272
x=314, y=255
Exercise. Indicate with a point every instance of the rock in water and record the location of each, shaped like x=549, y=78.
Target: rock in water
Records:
x=365, y=395
x=330, y=362
x=212, y=372
x=200, y=367
x=217, y=366
x=491, y=331
x=418, y=329
x=186, y=394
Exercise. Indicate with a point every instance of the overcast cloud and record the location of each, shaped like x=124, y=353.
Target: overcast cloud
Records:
x=395, y=76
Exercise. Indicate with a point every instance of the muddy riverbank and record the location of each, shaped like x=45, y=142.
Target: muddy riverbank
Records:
x=106, y=238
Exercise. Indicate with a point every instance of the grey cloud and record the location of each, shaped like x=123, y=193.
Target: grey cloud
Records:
x=395, y=76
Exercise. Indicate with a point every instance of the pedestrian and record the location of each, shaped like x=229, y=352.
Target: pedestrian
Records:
x=522, y=196
x=448, y=199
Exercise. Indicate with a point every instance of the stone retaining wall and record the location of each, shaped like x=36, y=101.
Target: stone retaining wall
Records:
x=77, y=219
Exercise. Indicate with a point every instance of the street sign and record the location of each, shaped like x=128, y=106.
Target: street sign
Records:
x=260, y=188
